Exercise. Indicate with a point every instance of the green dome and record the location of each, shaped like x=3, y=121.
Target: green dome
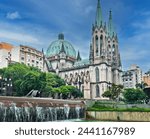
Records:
x=56, y=47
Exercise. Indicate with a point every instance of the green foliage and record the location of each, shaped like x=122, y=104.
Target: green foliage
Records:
x=54, y=80
x=114, y=92
x=119, y=109
x=67, y=91
x=108, y=106
x=147, y=92
x=134, y=95
x=141, y=85
x=26, y=78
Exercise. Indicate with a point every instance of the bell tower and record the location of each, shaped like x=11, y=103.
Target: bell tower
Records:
x=99, y=37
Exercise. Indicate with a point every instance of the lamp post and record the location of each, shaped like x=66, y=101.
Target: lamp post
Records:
x=8, y=86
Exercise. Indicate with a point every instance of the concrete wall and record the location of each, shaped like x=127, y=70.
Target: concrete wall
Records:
x=120, y=116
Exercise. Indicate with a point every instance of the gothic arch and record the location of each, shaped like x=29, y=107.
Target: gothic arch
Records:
x=97, y=74
x=96, y=40
x=113, y=49
x=97, y=91
x=109, y=49
x=101, y=43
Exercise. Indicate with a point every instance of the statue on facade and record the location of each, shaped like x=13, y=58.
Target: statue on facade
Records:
x=87, y=77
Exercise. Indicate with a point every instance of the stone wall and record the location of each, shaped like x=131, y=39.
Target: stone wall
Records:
x=120, y=116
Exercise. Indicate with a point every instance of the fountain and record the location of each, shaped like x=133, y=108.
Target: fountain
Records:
x=22, y=109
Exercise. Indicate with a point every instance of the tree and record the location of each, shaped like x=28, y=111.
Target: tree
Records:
x=33, y=81
x=134, y=95
x=141, y=85
x=26, y=78
x=114, y=92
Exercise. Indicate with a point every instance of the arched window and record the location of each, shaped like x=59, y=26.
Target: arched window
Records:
x=109, y=49
x=97, y=74
x=101, y=43
x=96, y=38
x=113, y=49
x=106, y=74
x=97, y=91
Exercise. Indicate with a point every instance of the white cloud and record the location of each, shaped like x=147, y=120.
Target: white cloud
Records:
x=18, y=37
x=25, y=35
x=13, y=15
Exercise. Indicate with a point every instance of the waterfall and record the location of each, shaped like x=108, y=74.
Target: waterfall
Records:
x=66, y=110
x=78, y=111
x=29, y=113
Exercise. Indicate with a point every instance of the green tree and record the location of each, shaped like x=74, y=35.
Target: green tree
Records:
x=52, y=81
x=26, y=78
x=114, y=92
x=33, y=81
x=134, y=95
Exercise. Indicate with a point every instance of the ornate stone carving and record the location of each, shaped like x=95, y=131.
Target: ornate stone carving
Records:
x=87, y=77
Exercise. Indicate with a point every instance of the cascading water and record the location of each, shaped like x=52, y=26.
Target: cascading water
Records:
x=78, y=111
x=29, y=113
x=66, y=110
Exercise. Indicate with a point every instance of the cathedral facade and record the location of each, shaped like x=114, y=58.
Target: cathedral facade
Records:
x=95, y=75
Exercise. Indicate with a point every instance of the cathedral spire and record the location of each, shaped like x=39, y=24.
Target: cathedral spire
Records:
x=111, y=31
x=79, y=57
x=98, y=20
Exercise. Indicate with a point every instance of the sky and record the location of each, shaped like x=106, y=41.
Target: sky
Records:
x=37, y=23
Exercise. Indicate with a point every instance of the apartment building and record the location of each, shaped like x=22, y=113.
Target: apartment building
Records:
x=28, y=56
x=132, y=77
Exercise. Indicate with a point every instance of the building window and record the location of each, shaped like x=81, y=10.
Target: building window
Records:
x=97, y=91
x=97, y=74
x=109, y=49
x=22, y=58
x=96, y=38
x=22, y=53
x=113, y=49
x=101, y=44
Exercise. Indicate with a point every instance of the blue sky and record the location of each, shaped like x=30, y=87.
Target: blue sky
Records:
x=37, y=23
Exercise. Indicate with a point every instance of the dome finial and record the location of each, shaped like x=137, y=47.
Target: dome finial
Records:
x=79, y=57
x=61, y=36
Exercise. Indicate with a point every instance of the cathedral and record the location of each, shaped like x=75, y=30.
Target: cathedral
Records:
x=94, y=75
